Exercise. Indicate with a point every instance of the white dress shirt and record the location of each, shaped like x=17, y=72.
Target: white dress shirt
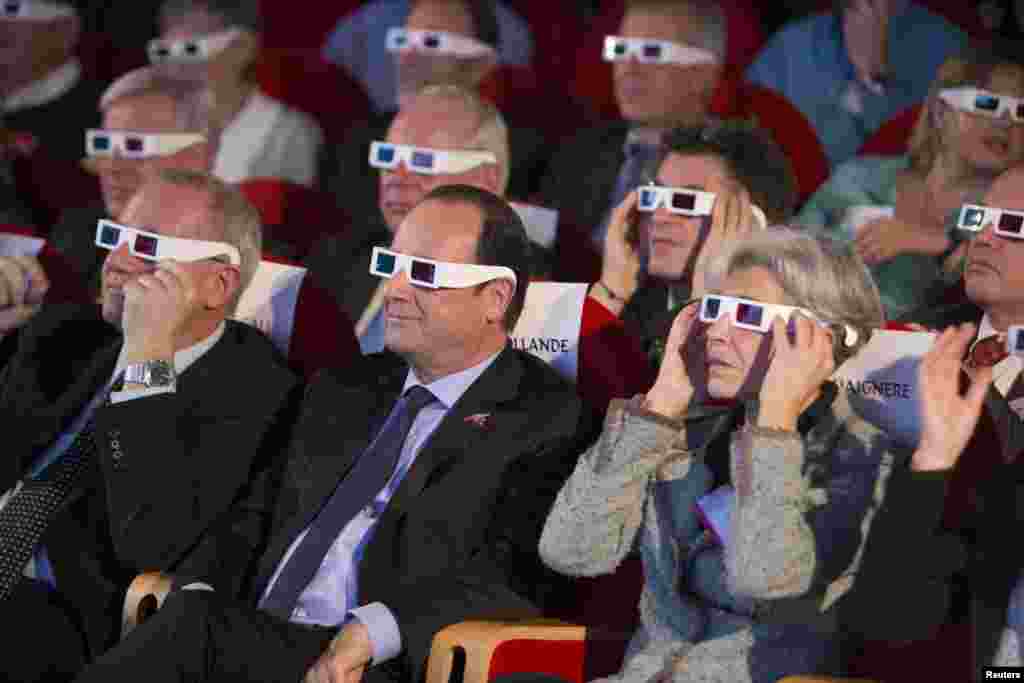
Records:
x=47, y=89
x=332, y=593
x=269, y=139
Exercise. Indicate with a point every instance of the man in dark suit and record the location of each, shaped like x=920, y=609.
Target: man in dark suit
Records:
x=443, y=117
x=126, y=440
x=593, y=172
x=469, y=440
x=977, y=491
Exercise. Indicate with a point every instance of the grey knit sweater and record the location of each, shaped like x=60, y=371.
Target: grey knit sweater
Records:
x=757, y=609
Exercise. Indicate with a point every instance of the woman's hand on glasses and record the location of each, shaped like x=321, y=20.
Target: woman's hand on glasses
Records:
x=682, y=377
x=800, y=363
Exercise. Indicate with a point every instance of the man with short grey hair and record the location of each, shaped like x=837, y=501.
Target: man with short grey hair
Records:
x=128, y=445
x=668, y=60
x=149, y=122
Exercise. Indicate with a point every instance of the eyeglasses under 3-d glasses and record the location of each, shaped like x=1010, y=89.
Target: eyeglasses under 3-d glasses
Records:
x=756, y=316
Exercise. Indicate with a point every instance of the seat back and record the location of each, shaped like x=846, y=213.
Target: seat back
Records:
x=299, y=317
x=892, y=138
x=793, y=133
x=549, y=326
x=294, y=214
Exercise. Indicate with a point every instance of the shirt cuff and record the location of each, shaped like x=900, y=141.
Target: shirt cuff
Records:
x=131, y=394
x=385, y=638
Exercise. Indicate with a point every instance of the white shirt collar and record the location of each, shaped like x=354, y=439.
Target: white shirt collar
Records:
x=184, y=358
x=450, y=388
x=45, y=90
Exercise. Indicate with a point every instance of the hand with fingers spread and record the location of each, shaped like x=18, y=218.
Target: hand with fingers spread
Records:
x=885, y=238
x=681, y=378
x=23, y=284
x=948, y=418
x=799, y=365
x=345, y=659
x=157, y=306
x=620, y=270
x=732, y=220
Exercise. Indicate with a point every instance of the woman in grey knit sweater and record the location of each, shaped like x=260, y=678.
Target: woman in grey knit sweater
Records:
x=744, y=425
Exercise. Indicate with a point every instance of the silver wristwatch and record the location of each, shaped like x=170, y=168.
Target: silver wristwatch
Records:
x=150, y=373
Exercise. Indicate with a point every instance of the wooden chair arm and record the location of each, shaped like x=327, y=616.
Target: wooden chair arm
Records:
x=824, y=679
x=479, y=639
x=144, y=597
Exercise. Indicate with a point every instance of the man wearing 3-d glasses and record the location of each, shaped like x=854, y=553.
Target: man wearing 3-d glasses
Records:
x=708, y=187
x=126, y=436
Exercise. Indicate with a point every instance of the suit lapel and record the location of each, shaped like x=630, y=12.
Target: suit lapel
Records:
x=458, y=435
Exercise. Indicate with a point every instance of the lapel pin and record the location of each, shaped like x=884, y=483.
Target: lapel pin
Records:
x=481, y=420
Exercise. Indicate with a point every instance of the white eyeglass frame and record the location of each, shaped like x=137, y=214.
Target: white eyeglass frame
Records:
x=703, y=202
x=34, y=10
x=728, y=306
x=990, y=214
x=965, y=100
x=167, y=247
x=205, y=47
x=153, y=144
x=447, y=275
x=400, y=39
x=671, y=53
x=446, y=161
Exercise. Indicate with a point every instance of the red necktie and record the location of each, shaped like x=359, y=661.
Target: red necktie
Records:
x=987, y=352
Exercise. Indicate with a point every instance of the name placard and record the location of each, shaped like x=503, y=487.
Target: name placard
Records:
x=549, y=327
x=882, y=385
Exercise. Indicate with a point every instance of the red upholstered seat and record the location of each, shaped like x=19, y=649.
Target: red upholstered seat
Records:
x=894, y=135
x=50, y=185
x=301, y=78
x=306, y=26
x=293, y=213
x=793, y=132
x=320, y=336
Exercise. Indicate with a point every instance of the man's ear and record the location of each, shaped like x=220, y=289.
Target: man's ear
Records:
x=499, y=297
x=221, y=289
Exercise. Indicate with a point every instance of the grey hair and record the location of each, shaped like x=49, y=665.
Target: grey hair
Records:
x=191, y=101
x=712, y=34
x=823, y=275
x=491, y=134
x=237, y=221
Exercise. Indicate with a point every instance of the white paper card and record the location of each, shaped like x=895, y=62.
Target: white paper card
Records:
x=882, y=385
x=269, y=302
x=549, y=327
x=716, y=511
x=541, y=224
x=20, y=245
x=856, y=217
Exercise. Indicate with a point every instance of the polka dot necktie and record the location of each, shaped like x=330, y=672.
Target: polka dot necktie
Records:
x=24, y=519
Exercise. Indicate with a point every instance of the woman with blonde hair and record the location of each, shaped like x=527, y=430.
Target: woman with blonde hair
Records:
x=901, y=212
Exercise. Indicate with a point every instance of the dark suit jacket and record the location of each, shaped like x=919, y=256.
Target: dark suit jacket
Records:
x=936, y=526
x=168, y=468
x=459, y=538
x=581, y=175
